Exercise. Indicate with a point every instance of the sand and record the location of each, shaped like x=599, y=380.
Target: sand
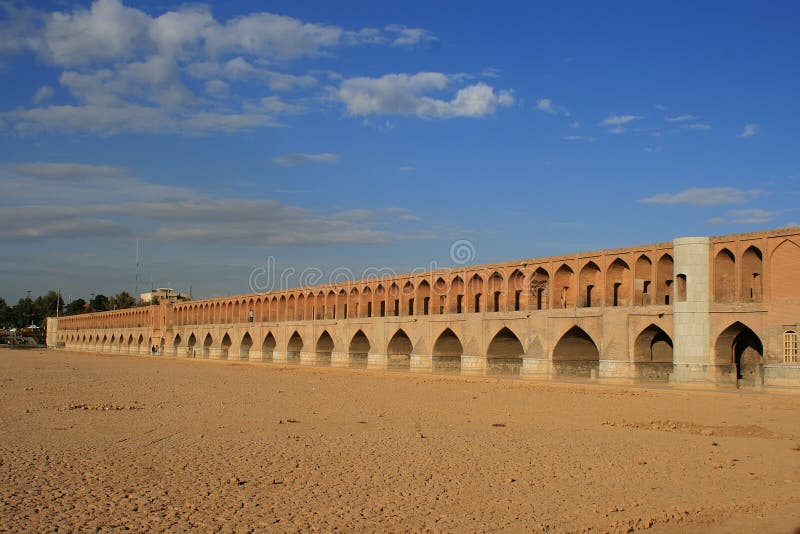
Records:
x=141, y=443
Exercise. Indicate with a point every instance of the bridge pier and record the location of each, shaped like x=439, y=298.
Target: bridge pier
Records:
x=214, y=353
x=421, y=363
x=474, y=365
x=280, y=356
x=377, y=361
x=170, y=350
x=340, y=359
x=308, y=358
x=255, y=356
x=615, y=371
x=537, y=368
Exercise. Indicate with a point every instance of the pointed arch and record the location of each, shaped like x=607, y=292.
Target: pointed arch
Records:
x=358, y=351
x=447, y=352
x=456, y=297
x=740, y=346
x=244, y=346
x=643, y=281
x=176, y=342
x=564, y=287
x=618, y=285
x=225, y=346
x=495, y=293
x=291, y=310
x=725, y=276
x=516, y=292
x=268, y=347
x=399, y=349
x=504, y=353
x=589, y=280
x=294, y=347
x=208, y=341
x=664, y=280
x=653, y=344
x=324, y=343
x=752, y=274
x=476, y=294
x=784, y=288
x=576, y=353
x=423, y=297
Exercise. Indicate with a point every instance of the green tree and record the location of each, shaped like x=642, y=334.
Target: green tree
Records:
x=5, y=314
x=75, y=307
x=23, y=313
x=99, y=303
x=122, y=300
x=46, y=305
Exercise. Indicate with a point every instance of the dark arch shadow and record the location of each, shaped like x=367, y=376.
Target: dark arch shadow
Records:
x=576, y=354
x=504, y=354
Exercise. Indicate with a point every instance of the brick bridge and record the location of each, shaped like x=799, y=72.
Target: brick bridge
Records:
x=722, y=310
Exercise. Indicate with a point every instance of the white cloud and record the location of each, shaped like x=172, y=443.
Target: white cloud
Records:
x=217, y=89
x=546, y=105
x=749, y=130
x=126, y=69
x=752, y=216
x=407, y=168
x=704, y=196
x=404, y=94
x=42, y=94
x=680, y=118
x=298, y=158
x=661, y=107
x=698, y=126
x=58, y=201
x=583, y=138
x=619, y=120
x=405, y=36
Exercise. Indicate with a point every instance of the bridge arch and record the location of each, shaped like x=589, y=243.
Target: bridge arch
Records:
x=447, y=352
x=208, y=342
x=564, y=287
x=576, y=353
x=268, y=347
x=505, y=353
x=294, y=347
x=589, y=281
x=740, y=346
x=725, y=276
x=244, y=346
x=399, y=349
x=358, y=351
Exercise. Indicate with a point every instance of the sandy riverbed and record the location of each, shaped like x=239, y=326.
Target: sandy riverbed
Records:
x=142, y=443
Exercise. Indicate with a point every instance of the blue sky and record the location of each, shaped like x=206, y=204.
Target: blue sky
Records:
x=374, y=134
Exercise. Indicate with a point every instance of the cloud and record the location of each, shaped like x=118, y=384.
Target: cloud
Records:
x=404, y=94
x=680, y=118
x=746, y=216
x=62, y=204
x=698, y=126
x=546, y=105
x=42, y=94
x=582, y=138
x=129, y=71
x=704, y=196
x=407, y=168
x=66, y=172
x=297, y=158
x=619, y=120
x=405, y=36
x=749, y=130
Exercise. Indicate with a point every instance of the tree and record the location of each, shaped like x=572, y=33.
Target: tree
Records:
x=5, y=314
x=99, y=303
x=122, y=300
x=23, y=313
x=46, y=305
x=76, y=306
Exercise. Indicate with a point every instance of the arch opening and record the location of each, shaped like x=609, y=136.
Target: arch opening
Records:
x=398, y=351
x=447, y=351
x=293, y=348
x=207, y=342
x=504, y=354
x=225, y=346
x=741, y=348
x=576, y=354
x=724, y=276
x=268, y=348
x=358, y=351
x=245, y=346
x=652, y=354
x=324, y=348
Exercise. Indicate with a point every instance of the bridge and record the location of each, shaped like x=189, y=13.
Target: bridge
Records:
x=721, y=310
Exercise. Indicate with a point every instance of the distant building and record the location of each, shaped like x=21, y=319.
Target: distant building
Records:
x=161, y=294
